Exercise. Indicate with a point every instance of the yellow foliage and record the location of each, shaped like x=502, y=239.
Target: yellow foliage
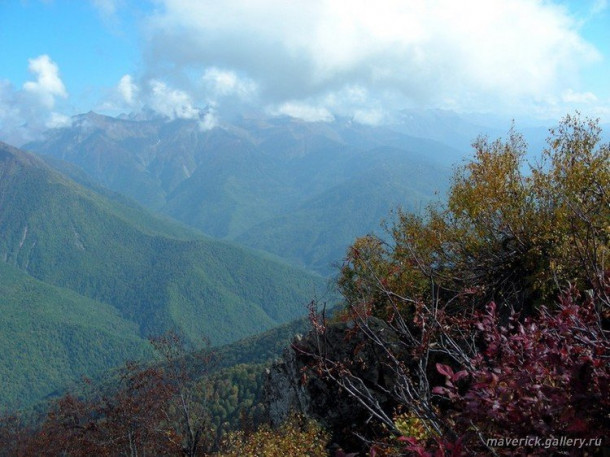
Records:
x=297, y=437
x=511, y=232
x=411, y=426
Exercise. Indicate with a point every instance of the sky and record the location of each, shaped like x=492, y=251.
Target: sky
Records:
x=316, y=60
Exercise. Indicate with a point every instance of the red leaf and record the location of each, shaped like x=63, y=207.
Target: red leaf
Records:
x=577, y=425
x=459, y=375
x=444, y=370
x=408, y=439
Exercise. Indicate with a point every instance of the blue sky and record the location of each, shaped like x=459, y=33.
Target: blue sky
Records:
x=312, y=59
x=92, y=53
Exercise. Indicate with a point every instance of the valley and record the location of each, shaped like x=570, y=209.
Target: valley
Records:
x=125, y=272
x=240, y=227
x=278, y=184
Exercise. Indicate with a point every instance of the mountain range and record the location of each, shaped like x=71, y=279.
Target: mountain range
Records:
x=87, y=276
x=302, y=191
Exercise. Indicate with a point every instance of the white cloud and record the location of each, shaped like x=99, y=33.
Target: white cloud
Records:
x=58, y=120
x=172, y=103
x=369, y=116
x=222, y=83
x=128, y=90
x=8, y=107
x=303, y=111
x=125, y=97
x=209, y=121
x=25, y=113
x=48, y=84
x=571, y=96
x=477, y=54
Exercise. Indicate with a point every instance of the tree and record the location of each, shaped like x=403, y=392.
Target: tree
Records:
x=130, y=421
x=296, y=437
x=188, y=408
x=133, y=421
x=152, y=409
x=507, y=235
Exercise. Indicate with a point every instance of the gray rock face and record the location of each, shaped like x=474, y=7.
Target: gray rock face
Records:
x=295, y=385
x=284, y=392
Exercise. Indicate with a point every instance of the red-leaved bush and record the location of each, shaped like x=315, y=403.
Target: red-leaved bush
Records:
x=547, y=376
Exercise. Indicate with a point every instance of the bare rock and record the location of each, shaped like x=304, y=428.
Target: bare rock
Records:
x=295, y=385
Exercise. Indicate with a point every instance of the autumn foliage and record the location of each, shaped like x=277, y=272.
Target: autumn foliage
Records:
x=544, y=376
x=296, y=437
x=158, y=410
x=500, y=301
x=132, y=421
x=490, y=315
x=511, y=232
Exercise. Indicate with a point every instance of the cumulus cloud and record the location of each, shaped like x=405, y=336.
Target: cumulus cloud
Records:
x=58, y=120
x=48, y=84
x=571, y=96
x=303, y=111
x=128, y=90
x=27, y=111
x=369, y=116
x=208, y=121
x=222, y=83
x=11, y=122
x=319, y=60
x=172, y=103
x=470, y=55
x=159, y=98
x=7, y=100
x=125, y=97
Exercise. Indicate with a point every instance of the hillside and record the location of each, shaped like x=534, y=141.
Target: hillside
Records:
x=149, y=274
x=245, y=181
x=356, y=207
x=51, y=336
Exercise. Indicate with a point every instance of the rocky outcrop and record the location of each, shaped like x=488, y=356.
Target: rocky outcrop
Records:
x=295, y=384
x=284, y=391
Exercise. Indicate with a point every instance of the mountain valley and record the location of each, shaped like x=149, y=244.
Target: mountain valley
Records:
x=278, y=184
x=102, y=272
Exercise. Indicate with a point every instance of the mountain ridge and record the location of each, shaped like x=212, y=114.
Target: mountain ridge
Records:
x=242, y=176
x=153, y=275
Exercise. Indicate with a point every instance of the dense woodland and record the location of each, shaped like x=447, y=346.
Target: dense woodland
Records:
x=87, y=277
x=494, y=307
x=300, y=190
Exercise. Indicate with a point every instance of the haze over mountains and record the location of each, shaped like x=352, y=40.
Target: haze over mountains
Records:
x=87, y=277
x=87, y=274
x=299, y=190
x=204, y=167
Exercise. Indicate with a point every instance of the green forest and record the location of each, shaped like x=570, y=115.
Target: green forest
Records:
x=88, y=277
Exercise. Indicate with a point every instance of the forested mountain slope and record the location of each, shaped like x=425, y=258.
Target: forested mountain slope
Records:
x=248, y=180
x=50, y=336
x=143, y=274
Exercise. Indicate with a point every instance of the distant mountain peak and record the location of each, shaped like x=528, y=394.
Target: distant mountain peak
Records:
x=91, y=116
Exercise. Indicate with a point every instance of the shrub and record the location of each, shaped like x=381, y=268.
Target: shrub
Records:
x=297, y=436
x=545, y=377
x=510, y=232
x=469, y=292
